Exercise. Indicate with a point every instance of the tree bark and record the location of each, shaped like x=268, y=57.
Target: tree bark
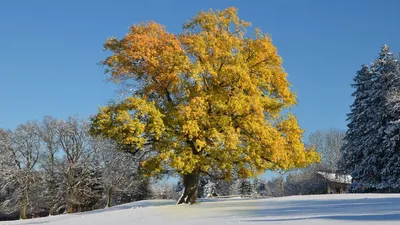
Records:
x=51, y=212
x=70, y=208
x=109, y=199
x=52, y=186
x=70, y=205
x=22, y=213
x=52, y=196
x=190, y=183
x=70, y=191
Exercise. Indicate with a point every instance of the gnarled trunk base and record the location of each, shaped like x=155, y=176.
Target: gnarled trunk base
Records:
x=190, y=183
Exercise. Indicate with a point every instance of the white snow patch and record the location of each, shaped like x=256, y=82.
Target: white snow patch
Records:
x=376, y=209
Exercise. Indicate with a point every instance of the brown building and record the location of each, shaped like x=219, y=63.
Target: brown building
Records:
x=336, y=183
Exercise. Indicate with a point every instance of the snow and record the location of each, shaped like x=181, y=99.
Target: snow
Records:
x=300, y=210
x=343, y=179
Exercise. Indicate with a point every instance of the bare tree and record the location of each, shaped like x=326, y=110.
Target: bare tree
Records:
x=275, y=187
x=306, y=181
x=76, y=167
x=119, y=169
x=7, y=168
x=22, y=175
x=56, y=166
x=163, y=190
x=5, y=151
x=49, y=137
x=328, y=144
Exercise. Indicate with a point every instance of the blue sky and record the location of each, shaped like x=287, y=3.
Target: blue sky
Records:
x=49, y=50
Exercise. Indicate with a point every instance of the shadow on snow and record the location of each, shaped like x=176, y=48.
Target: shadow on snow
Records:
x=376, y=209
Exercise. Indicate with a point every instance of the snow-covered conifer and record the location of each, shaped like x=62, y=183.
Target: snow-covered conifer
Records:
x=210, y=189
x=368, y=150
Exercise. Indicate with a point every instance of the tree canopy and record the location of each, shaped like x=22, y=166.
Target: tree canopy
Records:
x=208, y=100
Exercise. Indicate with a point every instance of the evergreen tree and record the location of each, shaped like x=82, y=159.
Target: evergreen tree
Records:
x=224, y=188
x=351, y=151
x=259, y=186
x=245, y=187
x=210, y=190
x=203, y=181
x=390, y=172
x=369, y=149
x=369, y=169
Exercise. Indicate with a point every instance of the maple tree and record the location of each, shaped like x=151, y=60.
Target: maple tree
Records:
x=208, y=100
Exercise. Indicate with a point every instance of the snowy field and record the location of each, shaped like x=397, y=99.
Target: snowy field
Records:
x=308, y=210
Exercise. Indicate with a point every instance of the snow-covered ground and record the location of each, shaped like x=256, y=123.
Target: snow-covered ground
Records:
x=300, y=210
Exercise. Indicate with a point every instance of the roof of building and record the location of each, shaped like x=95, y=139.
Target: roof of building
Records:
x=338, y=178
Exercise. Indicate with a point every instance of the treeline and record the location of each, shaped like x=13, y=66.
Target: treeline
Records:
x=210, y=187
x=56, y=166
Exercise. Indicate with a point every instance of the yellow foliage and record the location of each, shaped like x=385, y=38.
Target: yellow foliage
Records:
x=207, y=100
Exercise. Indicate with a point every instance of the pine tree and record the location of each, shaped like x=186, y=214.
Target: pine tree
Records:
x=259, y=186
x=368, y=170
x=245, y=187
x=390, y=172
x=210, y=189
x=353, y=142
x=203, y=181
x=224, y=188
x=370, y=142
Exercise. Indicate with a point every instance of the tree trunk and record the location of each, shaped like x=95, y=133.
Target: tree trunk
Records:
x=70, y=205
x=51, y=213
x=190, y=183
x=52, y=197
x=109, y=199
x=52, y=186
x=22, y=212
x=70, y=191
x=70, y=208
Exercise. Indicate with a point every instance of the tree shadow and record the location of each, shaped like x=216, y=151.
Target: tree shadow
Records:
x=376, y=209
x=382, y=217
x=132, y=205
